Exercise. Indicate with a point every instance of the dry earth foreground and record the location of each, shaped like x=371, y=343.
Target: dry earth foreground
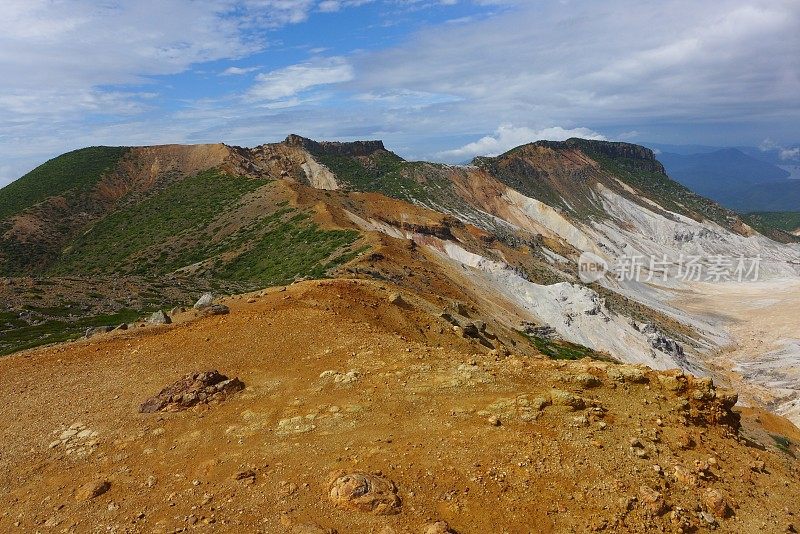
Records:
x=353, y=406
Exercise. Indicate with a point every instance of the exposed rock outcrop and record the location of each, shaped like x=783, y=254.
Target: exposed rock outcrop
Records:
x=192, y=389
x=364, y=492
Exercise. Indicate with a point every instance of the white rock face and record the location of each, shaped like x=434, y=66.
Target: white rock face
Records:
x=319, y=176
x=577, y=313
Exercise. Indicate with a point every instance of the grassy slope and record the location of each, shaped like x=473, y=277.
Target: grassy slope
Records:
x=788, y=221
x=199, y=219
x=74, y=171
x=112, y=245
x=181, y=226
x=668, y=193
x=19, y=335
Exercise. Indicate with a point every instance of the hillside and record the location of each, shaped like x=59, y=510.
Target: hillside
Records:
x=376, y=384
x=423, y=321
x=741, y=180
x=768, y=221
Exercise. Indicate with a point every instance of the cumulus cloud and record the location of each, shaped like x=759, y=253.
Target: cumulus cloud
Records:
x=295, y=79
x=508, y=136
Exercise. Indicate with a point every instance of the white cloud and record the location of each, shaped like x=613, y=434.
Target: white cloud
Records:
x=508, y=136
x=790, y=153
x=237, y=71
x=331, y=6
x=603, y=63
x=295, y=79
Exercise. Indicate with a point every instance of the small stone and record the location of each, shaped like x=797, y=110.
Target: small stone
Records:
x=708, y=518
x=247, y=476
x=54, y=444
x=364, y=492
x=759, y=466
x=559, y=397
x=91, y=490
x=439, y=527
x=652, y=500
x=495, y=421
x=657, y=469
x=716, y=503
x=159, y=317
x=204, y=301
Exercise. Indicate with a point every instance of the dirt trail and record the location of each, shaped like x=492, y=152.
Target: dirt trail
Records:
x=342, y=376
x=763, y=360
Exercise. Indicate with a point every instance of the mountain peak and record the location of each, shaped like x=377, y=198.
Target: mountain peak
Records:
x=613, y=149
x=336, y=148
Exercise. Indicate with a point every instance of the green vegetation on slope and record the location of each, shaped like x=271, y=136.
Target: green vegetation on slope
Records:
x=668, y=193
x=18, y=335
x=384, y=173
x=186, y=207
x=184, y=226
x=76, y=171
x=561, y=350
x=290, y=248
x=788, y=221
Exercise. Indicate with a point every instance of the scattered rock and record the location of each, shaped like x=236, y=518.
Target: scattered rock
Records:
x=627, y=373
x=192, y=389
x=759, y=466
x=396, y=299
x=295, y=425
x=159, y=317
x=560, y=397
x=78, y=439
x=684, y=476
x=95, y=330
x=716, y=503
x=584, y=380
x=92, y=489
x=439, y=527
x=206, y=300
x=215, y=309
x=652, y=500
x=248, y=476
x=495, y=421
x=349, y=377
x=364, y=492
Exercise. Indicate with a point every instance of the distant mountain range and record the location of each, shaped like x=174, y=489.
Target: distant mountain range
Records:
x=745, y=179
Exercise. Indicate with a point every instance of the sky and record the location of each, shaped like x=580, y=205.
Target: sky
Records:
x=441, y=80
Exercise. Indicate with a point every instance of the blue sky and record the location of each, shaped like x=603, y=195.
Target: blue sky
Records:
x=442, y=80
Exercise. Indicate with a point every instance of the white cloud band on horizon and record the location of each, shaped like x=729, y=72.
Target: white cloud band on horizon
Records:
x=508, y=136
